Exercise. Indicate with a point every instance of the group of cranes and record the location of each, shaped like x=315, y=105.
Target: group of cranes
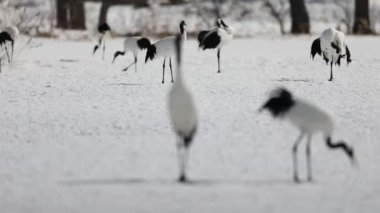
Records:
x=214, y=38
x=331, y=45
x=308, y=118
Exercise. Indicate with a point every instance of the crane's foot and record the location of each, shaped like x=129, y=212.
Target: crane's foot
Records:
x=296, y=179
x=182, y=179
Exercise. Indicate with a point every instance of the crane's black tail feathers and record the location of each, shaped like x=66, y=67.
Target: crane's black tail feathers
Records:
x=178, y=49
x=98, y=45
x=348, y=55
x=201, y=36
x=336, y=47
x=316, y=48
x=342, y=145
x=95, y=49
x=117, y=54
x=143, y=43
x=150, y=53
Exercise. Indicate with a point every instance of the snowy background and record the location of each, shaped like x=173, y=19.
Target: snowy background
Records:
x=78, y=135
x=249, y=17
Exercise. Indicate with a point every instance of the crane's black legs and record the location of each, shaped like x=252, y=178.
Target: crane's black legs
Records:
x=98, y=45
x=218, y=55
x=104, y=43
x=125, y=69
x=8, y=57
x=13, y=48
x=331, y=71
x=308, y=158
x=0, y=65
x=182, y=160
x=295, y=162
x=171, y=71
x=104, y=48
x=135, y=62
x=163, y=72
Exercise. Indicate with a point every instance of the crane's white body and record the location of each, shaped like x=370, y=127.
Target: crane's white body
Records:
x=130, y=45
x=329, y=36
x=309, y=118
x=183, y=113
x=166, y=48
x=226, y=35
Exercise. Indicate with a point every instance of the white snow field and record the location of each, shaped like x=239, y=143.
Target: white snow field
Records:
x=77, y=135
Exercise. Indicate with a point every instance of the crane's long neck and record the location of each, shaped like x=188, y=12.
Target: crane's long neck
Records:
x=184, y=35
x=229, y=30
x=180, y=45
x=179, y=78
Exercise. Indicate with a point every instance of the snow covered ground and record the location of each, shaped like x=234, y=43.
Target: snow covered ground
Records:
x=78, y=135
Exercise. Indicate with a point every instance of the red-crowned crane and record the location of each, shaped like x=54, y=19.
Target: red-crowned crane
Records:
x=331, y=45
x=134, y=45
x=309, y=119
x=165, y=48
x=183, y=113
x=216, y=38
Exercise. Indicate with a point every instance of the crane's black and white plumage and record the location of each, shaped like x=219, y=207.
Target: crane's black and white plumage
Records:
x=103, y=30
x=5, y=41
x=13, y=33
x=309, y=120
x=183, y=113
x=134, y=45
x=216, y=38
x=331, y=45
x=165, y=48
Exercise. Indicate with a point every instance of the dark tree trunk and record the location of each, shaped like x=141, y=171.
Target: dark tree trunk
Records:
x=77, y=15
x=300, y=17
x=362, y=24
x=62, y=21
x=104, y=11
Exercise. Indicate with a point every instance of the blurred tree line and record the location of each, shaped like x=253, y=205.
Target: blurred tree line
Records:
x=71, y=13
x=300, y=17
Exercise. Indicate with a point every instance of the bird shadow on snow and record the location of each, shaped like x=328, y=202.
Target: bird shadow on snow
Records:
x=293, y=80
x=67, y=60
x=192, y=182
x=125, y=84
